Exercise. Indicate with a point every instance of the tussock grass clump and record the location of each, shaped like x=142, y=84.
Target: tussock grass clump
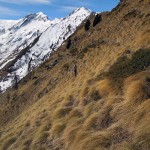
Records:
x=137, y=91
x=46, y=126
x=69, y=101
x=39, y=140
x=85, y=101
x=98, y=120
x=57, y=128
x=69, y=134
x=95, y=141
x=41, y=136
x=61, y=112
x=143, y=39
x=75, y=113
x=27, y=143
x=106, y=88
x=73, y=126
x=8, y=143
x=142, y=138
x=90, y=122
x=118, y=135
x=89, y=109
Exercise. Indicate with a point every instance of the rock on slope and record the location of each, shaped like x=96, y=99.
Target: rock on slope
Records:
x=21, y=33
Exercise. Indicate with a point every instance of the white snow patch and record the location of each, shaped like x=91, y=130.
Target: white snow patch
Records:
x=19, y=34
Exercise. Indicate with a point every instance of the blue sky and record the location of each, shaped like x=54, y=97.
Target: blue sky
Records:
x=15, y=9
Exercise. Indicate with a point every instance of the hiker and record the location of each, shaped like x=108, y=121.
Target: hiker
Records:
x=75, y=70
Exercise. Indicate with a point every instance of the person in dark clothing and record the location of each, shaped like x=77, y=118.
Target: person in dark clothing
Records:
x=75, y=70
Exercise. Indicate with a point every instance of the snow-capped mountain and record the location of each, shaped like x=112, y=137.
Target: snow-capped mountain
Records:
x=47, y=36
x=16, y=35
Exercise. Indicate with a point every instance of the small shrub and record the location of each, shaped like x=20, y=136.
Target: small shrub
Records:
x=66, y=66
x=36, y=81
x=87, y=25
x=95, y=95
x=93, y=44
x=68, y=43
x=83, y=52
x=8, y=143
x=27, y=124
x=131, y=14
x=43, y=92
x=97, y=19
x=1, y=132
x=148, y=79
x=125, y=67
x=73, y=50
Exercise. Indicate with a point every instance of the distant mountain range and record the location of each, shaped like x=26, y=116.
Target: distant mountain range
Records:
x=31, y=40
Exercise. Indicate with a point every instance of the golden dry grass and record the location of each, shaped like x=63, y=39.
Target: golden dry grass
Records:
x=60, y=111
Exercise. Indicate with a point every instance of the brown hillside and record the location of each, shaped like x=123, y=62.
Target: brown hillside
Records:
x=106, y=107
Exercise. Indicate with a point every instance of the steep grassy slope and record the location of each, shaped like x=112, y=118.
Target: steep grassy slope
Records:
x=106, y=107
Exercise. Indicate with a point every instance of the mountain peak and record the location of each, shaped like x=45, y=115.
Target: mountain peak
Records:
x=40, y=16
x=81, y=10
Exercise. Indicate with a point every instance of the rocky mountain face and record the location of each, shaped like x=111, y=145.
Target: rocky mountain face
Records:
x=30, y=41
